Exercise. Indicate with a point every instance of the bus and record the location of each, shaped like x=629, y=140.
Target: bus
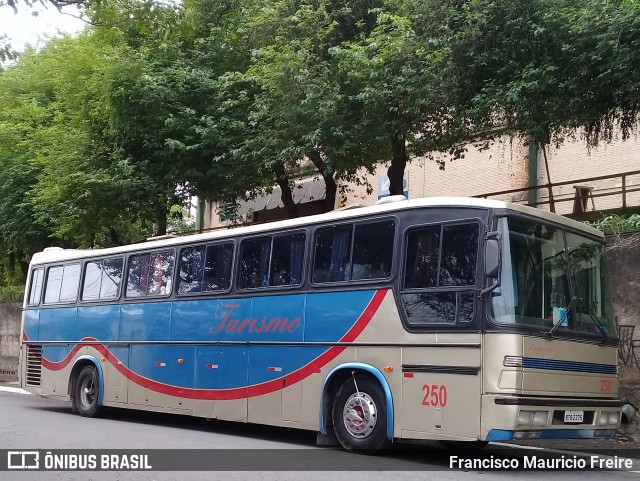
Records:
x=450, y=319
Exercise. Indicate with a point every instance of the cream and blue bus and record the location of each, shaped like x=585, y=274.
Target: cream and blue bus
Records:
x=448, y=319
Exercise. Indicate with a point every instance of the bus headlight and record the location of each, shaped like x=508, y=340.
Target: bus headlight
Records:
x=532, y=418
x=525, y=418
x=609, y=417
x=540, y=418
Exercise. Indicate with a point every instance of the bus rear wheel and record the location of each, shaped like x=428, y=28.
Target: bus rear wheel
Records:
x=87, y=392
x=360, y=416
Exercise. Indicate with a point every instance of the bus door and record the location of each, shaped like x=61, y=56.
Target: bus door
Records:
x=442, y=310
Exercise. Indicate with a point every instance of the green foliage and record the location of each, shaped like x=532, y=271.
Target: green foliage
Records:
x=11, y=293
x=615, y=224
x=103, y=135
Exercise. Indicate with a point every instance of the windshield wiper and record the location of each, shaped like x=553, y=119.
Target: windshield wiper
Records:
x=596, y=321
x=564, y=317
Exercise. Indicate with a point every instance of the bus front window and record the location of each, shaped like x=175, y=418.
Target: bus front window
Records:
x=543, y=269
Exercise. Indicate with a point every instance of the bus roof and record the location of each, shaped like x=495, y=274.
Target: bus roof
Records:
x=58, y=254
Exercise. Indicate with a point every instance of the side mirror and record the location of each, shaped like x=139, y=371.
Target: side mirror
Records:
x=492, y=258
x=491, y=261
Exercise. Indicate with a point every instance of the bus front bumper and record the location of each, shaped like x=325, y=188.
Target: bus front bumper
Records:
x=505, y=418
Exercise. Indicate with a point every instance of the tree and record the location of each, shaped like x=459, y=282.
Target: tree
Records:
x=543, y=68
x=396, y=74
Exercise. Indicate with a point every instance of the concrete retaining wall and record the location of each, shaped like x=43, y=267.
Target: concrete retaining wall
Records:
x=10, y=316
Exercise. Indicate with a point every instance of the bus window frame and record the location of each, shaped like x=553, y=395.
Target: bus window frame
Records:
x=78, y=261
x=229, y=240
x=149, y=297
x=83, y=274
x=357, y=222
x=272, y=235
x=32, y=285
x=476, y=324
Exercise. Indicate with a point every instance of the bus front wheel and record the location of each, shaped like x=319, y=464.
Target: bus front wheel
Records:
x=360, y=416
x=86, y=393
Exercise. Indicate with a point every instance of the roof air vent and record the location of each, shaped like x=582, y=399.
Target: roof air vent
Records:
x=390, y=199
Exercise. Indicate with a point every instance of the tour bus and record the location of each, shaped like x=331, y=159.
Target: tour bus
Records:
x=450, y=319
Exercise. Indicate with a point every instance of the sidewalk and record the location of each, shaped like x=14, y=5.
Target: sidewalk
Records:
x=610, y=447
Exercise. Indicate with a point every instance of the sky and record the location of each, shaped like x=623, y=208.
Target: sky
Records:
x=23, y=28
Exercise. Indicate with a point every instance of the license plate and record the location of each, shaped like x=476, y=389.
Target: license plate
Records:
x=573, y=416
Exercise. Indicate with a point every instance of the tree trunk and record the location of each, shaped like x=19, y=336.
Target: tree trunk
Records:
x=160, y=221
x=24, y=267
x=398, y=164
x=113, y=236
x=331, y=187
x=282, y=179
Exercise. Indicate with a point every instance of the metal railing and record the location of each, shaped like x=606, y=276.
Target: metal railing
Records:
x=552, y=199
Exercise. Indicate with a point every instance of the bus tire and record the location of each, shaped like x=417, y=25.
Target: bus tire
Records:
x=87, y=393
x=360, y=417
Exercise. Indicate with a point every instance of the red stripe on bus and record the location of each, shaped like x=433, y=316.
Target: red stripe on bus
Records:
x=239, y=392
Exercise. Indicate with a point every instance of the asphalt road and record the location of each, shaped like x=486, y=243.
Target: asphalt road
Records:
x=31, y=423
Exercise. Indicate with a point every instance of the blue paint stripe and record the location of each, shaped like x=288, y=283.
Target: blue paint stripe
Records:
x=573, y=366
x=506, y=435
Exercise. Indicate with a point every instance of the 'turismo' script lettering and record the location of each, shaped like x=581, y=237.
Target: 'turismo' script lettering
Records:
x=235, y=326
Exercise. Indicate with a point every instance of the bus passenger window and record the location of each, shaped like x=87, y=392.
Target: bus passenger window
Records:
x=440, y=269
x=459, y=255
x=423, y=252
x=102, y=279
x=205, y=269
x=287, y=260
x=138, y=275
x=150, y=274
x=217, y=270
x=92, y=280
x=254, y=263
x=62, y=284
x=333, y=254
x=373, y=250
x=191, y=270
x=36, y=286
x=160, y=274
x=111, y=278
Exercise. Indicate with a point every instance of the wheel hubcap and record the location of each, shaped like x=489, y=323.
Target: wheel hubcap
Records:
x=87, y=392
x=360, y=415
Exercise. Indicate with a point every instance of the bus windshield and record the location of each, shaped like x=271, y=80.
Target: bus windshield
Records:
x=551, y=276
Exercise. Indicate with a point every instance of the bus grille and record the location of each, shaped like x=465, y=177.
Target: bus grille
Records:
x=34, y=365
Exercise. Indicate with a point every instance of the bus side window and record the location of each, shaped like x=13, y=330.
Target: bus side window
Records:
x=160, y=274
x=102, y=279
x=372, y=250
x=440, y=274
x=333, y=254
x=62, y=284
x=191, y=270
x=150, y=274
x=36, y=286
x=287, y=260
x=111, y=278
x=217, y=269
x=254, y=263
x=92, y=281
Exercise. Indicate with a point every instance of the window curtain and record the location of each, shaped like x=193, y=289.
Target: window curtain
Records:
x=339, y=255
x=296, y=259
x=265, y=250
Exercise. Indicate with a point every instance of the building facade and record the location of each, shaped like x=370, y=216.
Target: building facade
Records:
x=507, y=164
